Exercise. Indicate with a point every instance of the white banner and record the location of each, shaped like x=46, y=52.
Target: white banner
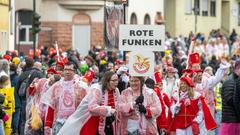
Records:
x=141, y=37
x=141, y=63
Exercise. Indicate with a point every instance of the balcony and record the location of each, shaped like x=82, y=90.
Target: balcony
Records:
x=80, y=4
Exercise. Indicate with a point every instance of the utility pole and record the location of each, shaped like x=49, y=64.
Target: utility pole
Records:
x=33, y=31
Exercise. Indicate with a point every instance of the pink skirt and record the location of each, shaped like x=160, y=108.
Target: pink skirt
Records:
x=230, y=129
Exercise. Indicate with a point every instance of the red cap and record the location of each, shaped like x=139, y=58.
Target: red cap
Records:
x=189, y=71
x=194, y=58
x=118, y=61
x=60, y=63
x=188, y=81
x=89, y=75
x=38, y=52
x=65, y=59
x=7, y=57
x=15, y=52
x=52, y=71
x=157, y=76
x=197, y=70
x=52, y=51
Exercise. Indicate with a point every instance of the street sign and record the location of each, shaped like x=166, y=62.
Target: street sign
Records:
x=141, y=63
x=141, y=37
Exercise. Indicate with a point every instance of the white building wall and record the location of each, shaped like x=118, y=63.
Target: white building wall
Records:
x=142, y=7
x=234, y=16
x=52, y=11
x=24, y=4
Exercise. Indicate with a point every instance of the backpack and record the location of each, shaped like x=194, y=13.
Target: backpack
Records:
x=24, y=85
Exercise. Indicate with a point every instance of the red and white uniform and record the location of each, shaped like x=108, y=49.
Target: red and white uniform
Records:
x=191, y=110
x=206, y=87
x=62, y=100
x=90, y=116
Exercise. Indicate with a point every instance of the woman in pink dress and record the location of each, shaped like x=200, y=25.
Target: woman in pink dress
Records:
x=139, y=107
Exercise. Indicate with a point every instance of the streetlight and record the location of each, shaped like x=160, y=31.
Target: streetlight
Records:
x=196, y=12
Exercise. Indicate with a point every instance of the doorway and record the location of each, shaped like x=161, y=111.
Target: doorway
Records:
x=81, y=39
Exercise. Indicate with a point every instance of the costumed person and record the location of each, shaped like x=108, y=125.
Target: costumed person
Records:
x=26, y=77
x=139, y=107
x=190, y=114
x=37, y=110
x=206, y=81
x=62, y=100
x=165, y=104
x=86, y=82
x=8, y=92
x=98, y=111
x=171, y=81
x=3, y=115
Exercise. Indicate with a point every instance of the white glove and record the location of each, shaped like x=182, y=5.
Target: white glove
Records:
x=224, y=65
x=175, y=109
x=122, y=69
x=125, y=78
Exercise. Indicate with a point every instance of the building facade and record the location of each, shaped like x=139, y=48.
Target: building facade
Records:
x=145, y=12
x=4, y=25
x=73, y=24
x=183, y=16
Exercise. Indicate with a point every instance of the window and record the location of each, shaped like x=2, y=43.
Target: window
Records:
x=213, y=8
x=196, y=7
x=4, y=42
x=188, y=6
x=133, y=19
x=147, y=19
x=24, y=27
x=239, y=14
x=204, y=7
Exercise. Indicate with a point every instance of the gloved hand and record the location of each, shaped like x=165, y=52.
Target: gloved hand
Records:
x=195, y=128
x=47, y=131
x=110, y=120
x=142, y=109
x=139, y=99
x=122, y=69
x=224, y=64
x=175, y=109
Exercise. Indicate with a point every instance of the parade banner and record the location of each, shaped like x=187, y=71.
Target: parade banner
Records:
x=114, y=16
x=141, y=37
x=141, y=63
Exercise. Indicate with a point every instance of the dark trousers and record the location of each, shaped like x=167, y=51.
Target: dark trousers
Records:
x=15, y=120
